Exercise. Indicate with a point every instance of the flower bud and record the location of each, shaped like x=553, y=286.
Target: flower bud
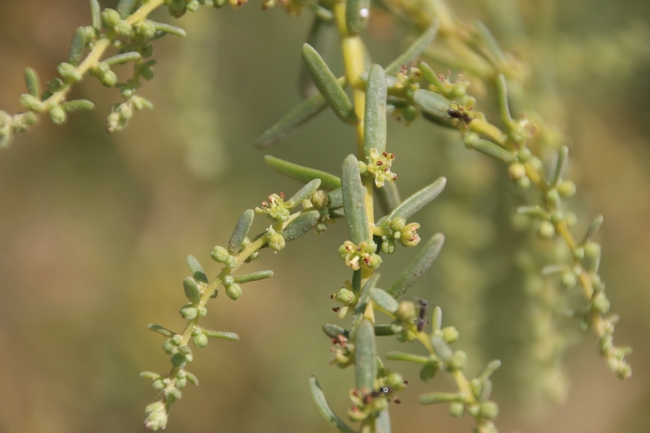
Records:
x=345, y=296
x=200, y=340
x=450, y=334
x=219, y=254
x=517, y=171
x=489, y=410
x=234, y=291
x=406, y=311
x=456, y=409
x=58, y=115
x=397, y=224
x=276, y=241
x=546, y=230
x=566, y=188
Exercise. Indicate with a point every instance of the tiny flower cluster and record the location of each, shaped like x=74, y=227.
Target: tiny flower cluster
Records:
x=366, y=403
x=395, y=230
x=379, y=165
x=363, y=254
x=275, y=208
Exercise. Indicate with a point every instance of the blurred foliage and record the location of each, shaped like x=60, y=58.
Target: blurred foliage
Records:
x=94, y=229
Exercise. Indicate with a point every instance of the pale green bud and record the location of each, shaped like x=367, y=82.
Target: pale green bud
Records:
x=234, y=291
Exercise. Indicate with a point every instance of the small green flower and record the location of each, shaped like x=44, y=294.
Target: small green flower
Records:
x=379, y=165
x=275, y=208
x=364, y=253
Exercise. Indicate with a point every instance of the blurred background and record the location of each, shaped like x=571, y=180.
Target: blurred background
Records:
x=95, y=228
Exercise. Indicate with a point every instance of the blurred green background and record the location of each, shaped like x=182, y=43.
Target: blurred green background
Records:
x=94, y=229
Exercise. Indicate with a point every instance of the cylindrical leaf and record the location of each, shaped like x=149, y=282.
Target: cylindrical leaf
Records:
x=492, y=150
x=303, y=193
x=196, y=269
x=375, y=121
x=562, y=156
x=32, y=83
x=384, y=330
x=167, y=28
x=354, y=201
x=125, y=7
x=416, y=48
x=362, y=302
x=384, y=300
x=434, y=107
x=430, y=75
x=356, y=15
x=333, y=331
x=320, y=37
x=78, y=105
x=241, y=230
x=418, y=200
x=123, y=58
x=335, y=198
x=221, y=334
x=422, y=262
x=301, y=173
x=328, y=86
x=160, y=330
x=593, y=228
x=365, y=366
x=324, y=408
x=77, y=46
x=491, y=44
x=96, y=14
x=405, y=356
x=192, y=290
x=296, y=117
x=439, y=397
x=382, y=422
x=502, y=97
x=300, y=225
x=441, y=348
x=254, y=276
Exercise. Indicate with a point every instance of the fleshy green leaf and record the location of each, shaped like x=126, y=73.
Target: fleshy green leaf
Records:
x=123, y=58
x=77, y=46
x=300, y=225
x=384, y=330
x=321, y=36
x=384, y=300
x=161, y=330
x=414, y=51
x=96, y=14
x=406, y=356
x=335, y=198
x=356, y=15
x=32, y=83
x=502, y=96
x=492, y=150
x=422, y=262
x=254, y=276
x=196, y=269
x=430, y=75
x=324, y=408
x=439, y=397
x=332, y=331
x=78, y=105
x=303, y=193
x=593, y=228
x=362, y=303
x=354, y=201
x=382, y=422
x=167, y=28
x=301, y=173
x=562, y=156
x=418, y=200
x=241, y=230
x=491, y=44
x=365, y=367
x=434, y=107
x=221, y=334
x=328, y=85
x=126, y=7
x=375, y=122
x=192, y=290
